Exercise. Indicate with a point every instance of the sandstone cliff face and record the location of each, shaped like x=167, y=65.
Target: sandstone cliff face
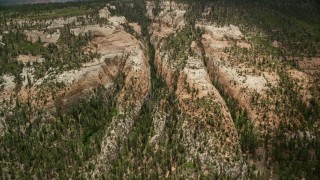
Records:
x=237, y=79
x=168, y=22
x=130, y=100
x=121, y=54
x=205, y=120
x=253, y=87
x=183, y=96
x=215, y=128
x=119, y=51
x=113, y=44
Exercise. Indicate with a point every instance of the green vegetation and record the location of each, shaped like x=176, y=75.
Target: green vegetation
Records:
x=35, y=140
x=65, y=12
x=178, y=46
x=295, y=24
x=49, y=11
x=248, y=137
x=134, y=11
x=67, y=54
x=141, y=157
x=138, y=154
x=15, y=43
x=298, y=156
x=39, y=141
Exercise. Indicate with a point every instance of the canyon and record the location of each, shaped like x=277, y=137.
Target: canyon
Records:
x=187, y=97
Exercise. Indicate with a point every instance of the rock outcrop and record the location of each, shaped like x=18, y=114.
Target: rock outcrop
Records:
x=196, y=97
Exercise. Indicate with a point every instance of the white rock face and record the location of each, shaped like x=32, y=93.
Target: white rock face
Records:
x=196, y=96
x=27, y=73
x=150, y=5
x=220, y=32
x=117, y=20
x=104, y=13
x=6, y=90
x=159, y=121
x=60, y=22
x=172, y=14
x=8, y=87
x=8, y=81
x=253, y=82
x=114, y=46
x=120, y=52
x=198, y=77
x=29, y=58
x=136, y=27
x=33, y=36
x=2, y=127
